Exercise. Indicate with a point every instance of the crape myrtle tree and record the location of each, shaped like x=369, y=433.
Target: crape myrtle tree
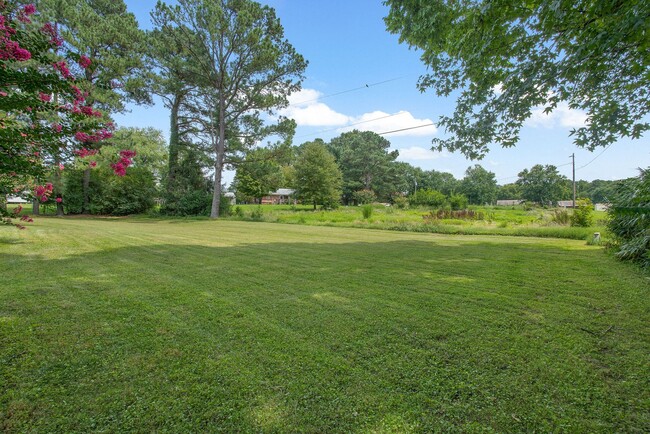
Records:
x=44, y=114
x=506, y=57
x=102, y=30
x=246, y=71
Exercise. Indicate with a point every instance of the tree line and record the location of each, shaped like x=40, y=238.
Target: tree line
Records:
x=359, y=167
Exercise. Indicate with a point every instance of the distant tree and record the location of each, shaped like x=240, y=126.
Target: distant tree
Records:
x=542, y=184
x=507, y=57
x=366, y=164
x=510, y=191
x=151, y=148
x=479, y=185
x=247, y=71
x=598, y=191
x=259, y=174
x=317, y=176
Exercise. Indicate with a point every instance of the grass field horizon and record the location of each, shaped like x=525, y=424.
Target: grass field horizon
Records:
x=139, y=324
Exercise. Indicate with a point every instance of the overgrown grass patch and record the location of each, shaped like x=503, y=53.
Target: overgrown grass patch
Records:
x=513, y=221
x=194, y=325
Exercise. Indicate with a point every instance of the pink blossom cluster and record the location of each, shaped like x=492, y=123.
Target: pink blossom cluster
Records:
x=126, y=159
x=84, y=62
x=93, y=138
x=43, y=191
x=10, y=50
x=51, y=30
x=62, y=67
x=45, y=97
x=83, y=152
x=88, y=111
x=24, y=14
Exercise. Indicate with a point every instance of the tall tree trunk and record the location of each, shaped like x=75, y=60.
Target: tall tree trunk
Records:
x=57, y=186
x=218, y=163
x=36, y=207
x=174, y=144
x=86, y=192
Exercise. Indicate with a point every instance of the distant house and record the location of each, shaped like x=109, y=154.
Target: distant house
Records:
x=280, y=197
x=509, y=202
x=565, y=203
x=231, y=197
x=569, y=204
x=15, y=199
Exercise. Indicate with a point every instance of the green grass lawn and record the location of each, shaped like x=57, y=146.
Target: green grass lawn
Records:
x=143, y=325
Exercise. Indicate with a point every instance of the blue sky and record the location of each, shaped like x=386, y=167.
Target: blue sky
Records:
x=359, y=74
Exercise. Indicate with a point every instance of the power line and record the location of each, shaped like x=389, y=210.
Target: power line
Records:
x=351, y=125
x=595, y=158
x=406, y=129
x=365, y=86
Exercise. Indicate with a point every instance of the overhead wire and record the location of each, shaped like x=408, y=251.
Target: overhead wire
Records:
x=365, y=86
x=595, y=158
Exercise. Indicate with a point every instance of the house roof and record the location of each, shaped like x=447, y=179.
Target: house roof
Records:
x=283, y=192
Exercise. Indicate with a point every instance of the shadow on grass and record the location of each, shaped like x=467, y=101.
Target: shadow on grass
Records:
x=300, y=337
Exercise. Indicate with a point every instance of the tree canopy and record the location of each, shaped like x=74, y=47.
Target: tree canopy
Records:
x=317, y=176
x=366, y=162
x=542, y=184
x=506, y=57
x=247, y=71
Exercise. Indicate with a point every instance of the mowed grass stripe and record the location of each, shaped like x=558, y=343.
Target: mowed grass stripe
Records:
x=229, y=326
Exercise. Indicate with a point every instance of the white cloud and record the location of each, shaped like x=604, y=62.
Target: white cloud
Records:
x=498, y=89
x=401, y=122
x=562, y=116
x=305, y=109
x=417, y=153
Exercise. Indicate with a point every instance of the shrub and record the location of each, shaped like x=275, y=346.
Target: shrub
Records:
x=257, y=214
x=426, y=197
x=133, y=193
x=629, y=219
x=458, y=201
x=583, y=214
x=561, y=217
x=401, y=202
x=190, y=203
x=366, y=210
x=363, y=197
x=330, y=203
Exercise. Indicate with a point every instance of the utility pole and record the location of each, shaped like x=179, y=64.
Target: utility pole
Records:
x=573, y=158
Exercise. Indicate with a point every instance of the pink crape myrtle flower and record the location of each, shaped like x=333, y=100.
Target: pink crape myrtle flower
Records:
x=84, y=62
